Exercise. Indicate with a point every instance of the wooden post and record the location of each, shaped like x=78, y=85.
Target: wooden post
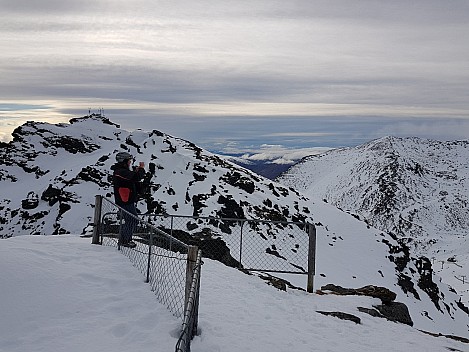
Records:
x=311, y=257
x=191, y=259
x=97, y=219
x=195, y=324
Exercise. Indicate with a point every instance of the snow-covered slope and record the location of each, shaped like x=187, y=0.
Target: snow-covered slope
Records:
x=414, y=188
x=106, y=307
x=67, y=164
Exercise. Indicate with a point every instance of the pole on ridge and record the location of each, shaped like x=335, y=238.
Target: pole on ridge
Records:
x=97, y=219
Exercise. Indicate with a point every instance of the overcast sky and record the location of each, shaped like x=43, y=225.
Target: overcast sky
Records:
x=241, y=74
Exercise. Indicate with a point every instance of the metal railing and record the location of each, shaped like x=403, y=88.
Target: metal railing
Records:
x=248, y=244
x=171, y=267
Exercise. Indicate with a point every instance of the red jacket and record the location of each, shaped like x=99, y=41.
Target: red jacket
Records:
x=125, y=183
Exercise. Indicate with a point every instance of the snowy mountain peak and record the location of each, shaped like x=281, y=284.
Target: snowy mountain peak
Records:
x=415, y=188
x=67, y=164
x=62, y=167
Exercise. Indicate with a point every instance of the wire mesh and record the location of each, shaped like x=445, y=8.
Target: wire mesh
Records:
x=162, y=243
x=158, y=256
x=270, y=246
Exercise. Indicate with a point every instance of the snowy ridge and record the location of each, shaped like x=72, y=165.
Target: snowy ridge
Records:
x=414, y=188
x=67, y=164
x=73, y=161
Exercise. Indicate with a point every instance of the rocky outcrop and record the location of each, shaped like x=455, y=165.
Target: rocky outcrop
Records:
x=343, y=316
x=393, y=311
x=384, y=294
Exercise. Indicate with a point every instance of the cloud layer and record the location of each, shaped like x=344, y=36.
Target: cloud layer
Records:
x=318, y=66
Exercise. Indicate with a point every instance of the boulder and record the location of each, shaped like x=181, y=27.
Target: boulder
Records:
x=393, y=311
x=382, y=293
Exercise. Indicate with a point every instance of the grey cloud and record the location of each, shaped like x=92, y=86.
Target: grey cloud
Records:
x=400, y=55
x=45, y=6
x=399, y=11
x=149, y=84
x=418, y=11
x=141, y=84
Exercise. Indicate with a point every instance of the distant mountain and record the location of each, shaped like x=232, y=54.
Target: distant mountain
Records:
x=415, y=188
x=264, y=168
x=66, y=165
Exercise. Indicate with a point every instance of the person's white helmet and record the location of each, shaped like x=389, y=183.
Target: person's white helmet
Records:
x=122, y=156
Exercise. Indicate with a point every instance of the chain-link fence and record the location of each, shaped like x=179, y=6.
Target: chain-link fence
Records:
x=167, y=252
x=170, y=266
x=253, y=245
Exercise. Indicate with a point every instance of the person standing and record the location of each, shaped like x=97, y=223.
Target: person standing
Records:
x=125, y=182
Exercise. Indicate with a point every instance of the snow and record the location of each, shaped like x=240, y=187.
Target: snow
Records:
x=430, y=181
x=60, y=293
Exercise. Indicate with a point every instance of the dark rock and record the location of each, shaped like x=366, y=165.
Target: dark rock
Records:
x=90, y=174
x=71, y=144
x=218, y=250
x=198, y=178
x=370, y=311
x=382, y=293
x=452, y=337
x=343, y=316
x=395, y=311
x=425, y=282
x=235, y=179
x=198, y=201
x=230, y=209
x=64, y=207
x=274, y=281
x=275, y=253
x=51, y=195
x=211, y=247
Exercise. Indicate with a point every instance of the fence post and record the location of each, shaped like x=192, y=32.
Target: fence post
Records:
x=97, y=219
x=196, y=309
x=150, y=244
x=119, y=241
x=191, y=260
x=241, y=243
x=311, y=257
x=171, y=233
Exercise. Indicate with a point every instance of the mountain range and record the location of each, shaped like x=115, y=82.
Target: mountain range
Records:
x=50, y=174
x=416, y=189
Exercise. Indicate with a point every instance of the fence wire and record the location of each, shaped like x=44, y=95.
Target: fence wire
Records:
x=158, y=256
x=262, y=245
x=164, y=243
